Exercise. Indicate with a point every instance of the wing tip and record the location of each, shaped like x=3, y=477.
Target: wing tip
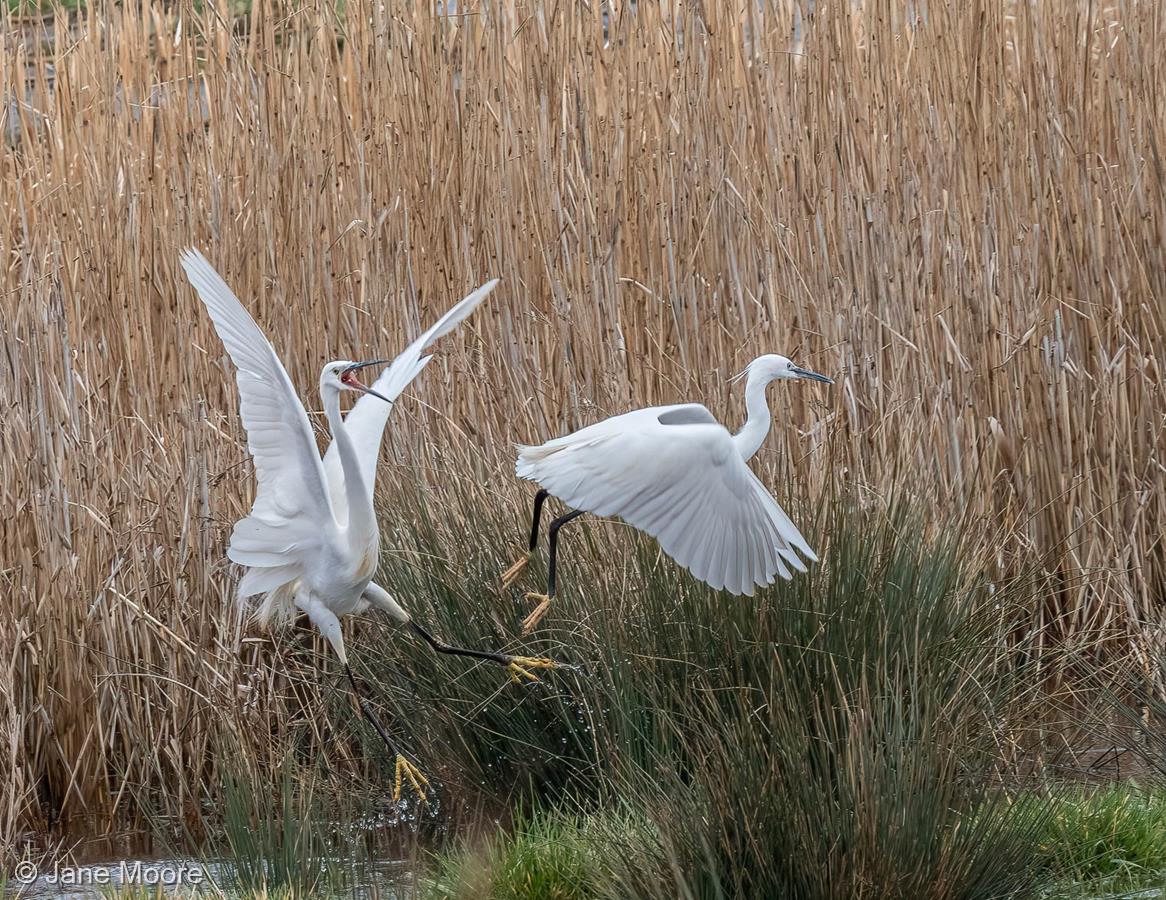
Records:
x=199, y=271
x=191, y=254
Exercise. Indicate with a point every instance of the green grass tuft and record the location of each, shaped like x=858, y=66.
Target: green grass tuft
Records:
x=547, y=856
x=1115, y=830
x=285, y=839
x=834, y=735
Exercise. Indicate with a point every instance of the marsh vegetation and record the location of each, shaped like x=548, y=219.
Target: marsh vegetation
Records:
x=958, y=216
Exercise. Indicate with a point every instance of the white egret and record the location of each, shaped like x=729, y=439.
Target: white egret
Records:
x=679, y=475
x=311, y=539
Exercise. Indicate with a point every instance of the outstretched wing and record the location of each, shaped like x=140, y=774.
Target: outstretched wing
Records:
x=292, y=513
x=675, y=473
x=365, y=422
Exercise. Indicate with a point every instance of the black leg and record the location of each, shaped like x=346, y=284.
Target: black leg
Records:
x=442, y=647
x=539, y=499
x=555, y=526
x=370, y=715
x=518, y=665
x=501, y=659
x=405, y=770
x=511, y=575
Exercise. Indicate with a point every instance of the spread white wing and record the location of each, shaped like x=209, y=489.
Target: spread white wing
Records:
x=292, y=514
x=675, y=473
x=365, y=422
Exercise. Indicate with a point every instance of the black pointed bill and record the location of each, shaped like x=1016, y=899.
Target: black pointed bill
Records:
x=348, y=378
x=806, y=373
x=369, y=390
x=371, y=362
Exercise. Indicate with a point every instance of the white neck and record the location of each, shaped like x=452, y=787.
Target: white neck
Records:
x=752, y=435
x=360, y=511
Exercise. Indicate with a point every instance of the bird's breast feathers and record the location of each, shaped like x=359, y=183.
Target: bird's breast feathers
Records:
x=366, y=563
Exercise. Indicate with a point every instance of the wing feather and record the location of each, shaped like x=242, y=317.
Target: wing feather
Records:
x=365, y=422
x=670, y=473
x=292, y=513
x=714, y=562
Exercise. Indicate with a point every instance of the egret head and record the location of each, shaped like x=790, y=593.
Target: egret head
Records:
x=341, y=376
x=772, y=367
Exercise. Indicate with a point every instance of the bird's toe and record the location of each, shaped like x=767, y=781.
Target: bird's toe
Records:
x=536, y=614
x=406, y=772
x=520, y=667
x=511, y=575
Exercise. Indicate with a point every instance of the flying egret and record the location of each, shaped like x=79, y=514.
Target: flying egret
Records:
x=676, y=473
x=311, y=540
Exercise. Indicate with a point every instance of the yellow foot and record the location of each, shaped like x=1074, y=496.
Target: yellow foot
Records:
x=520, y=667
x=406, y=771
x=511, y=575
x=537, y=613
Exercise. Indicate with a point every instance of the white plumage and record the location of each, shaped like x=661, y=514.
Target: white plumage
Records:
x=291, y=521
x=365, y=422
x=677, y=474
x=311, y=539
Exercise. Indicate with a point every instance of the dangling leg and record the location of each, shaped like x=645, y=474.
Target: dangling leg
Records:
x=511, y=574
x=404, y=768
x=518, y=666
x=324, y=619
x=545, y=599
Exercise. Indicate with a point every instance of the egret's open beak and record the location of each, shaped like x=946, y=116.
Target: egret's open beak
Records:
x=352, y=381
x=806, y=373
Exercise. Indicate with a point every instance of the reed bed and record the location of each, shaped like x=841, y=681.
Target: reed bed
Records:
x=959, y=214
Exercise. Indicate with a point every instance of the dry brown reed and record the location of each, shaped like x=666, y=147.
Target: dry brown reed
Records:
x=962, y=217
